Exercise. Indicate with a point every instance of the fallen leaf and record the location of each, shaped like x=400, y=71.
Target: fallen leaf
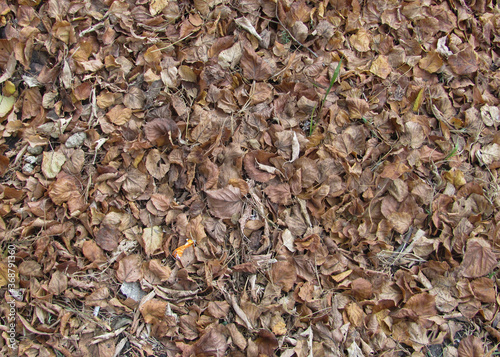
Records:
x=58, y=283
x=381, y=67
x=464, y=62
x=152, y=239
x=107, y=238
x=225, y=202
x=479, y=259
x=129, y=269
x=52, y=163
x=471, y=346
x=253, y=66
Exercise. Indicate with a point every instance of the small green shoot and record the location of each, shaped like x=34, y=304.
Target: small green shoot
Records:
x=312, y=124
x=452, y=152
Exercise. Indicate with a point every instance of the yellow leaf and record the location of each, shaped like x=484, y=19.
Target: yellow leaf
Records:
x=419, y=100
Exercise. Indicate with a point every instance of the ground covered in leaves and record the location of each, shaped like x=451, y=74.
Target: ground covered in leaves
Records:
x=249, y=178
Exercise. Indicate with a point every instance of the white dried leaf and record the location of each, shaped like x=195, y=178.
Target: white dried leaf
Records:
x=266, y=168
x=231, y=57
x=490, y=115
x=442, y=49
x=288, y=240
x=245, y=24
x=132, y=291
x=489, y=154
x=67, y=76
x=52, y=163
x=295, y=147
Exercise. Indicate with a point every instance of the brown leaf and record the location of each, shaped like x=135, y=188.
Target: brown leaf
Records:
x=152, y=239
x=99, y=297
x=92, y=252
x=357, y=107
x=267, y=342
x=157, y=164
x=153, y=310
x=225, y=202
x=284, y=275
x=361, y=40
x=237, y=337
x=464, y=62
x=58, y=283
x=135, y=182
x=129, y=269
x=471, y=346
x=484, y=289
x=218, y=309
x=400, y=221
x=107, y=238
x=252, y=160
x=161, y=131
x=423, y=304
x=30, y=268
x=361, y=289
x=254, y=67
x=381, y=67
x=161, y=271
x=279, y=194
x=431, y=63
x=479, y=259
x=119, y=115
x=355, y=314
x=212, y=343
x=134, y=99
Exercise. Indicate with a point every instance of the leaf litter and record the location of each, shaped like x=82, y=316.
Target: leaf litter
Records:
x=255, y=178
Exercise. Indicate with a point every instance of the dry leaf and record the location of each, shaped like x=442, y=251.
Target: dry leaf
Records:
x=381, y=67
x=253, y=66
x=464, y=62
x=152, y=239
x=58, y=283
x=479, y=259
x=471, y=346
x=52, y=163
x=107, y=238
x=129, y=269
x=225, y=202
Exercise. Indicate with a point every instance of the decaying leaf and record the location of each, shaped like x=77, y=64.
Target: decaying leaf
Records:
x=479, y=259
x=248, y=172
x=225, y=202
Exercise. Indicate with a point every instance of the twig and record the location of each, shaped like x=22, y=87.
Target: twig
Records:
x=173, y=43
x=281, y=23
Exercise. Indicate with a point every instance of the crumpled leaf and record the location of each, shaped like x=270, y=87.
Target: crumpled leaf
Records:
x=161, y=131
x=247, y=26
x=471, y=346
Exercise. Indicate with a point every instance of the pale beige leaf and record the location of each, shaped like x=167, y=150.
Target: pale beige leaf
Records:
x=52, y=163
x=152, y=239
